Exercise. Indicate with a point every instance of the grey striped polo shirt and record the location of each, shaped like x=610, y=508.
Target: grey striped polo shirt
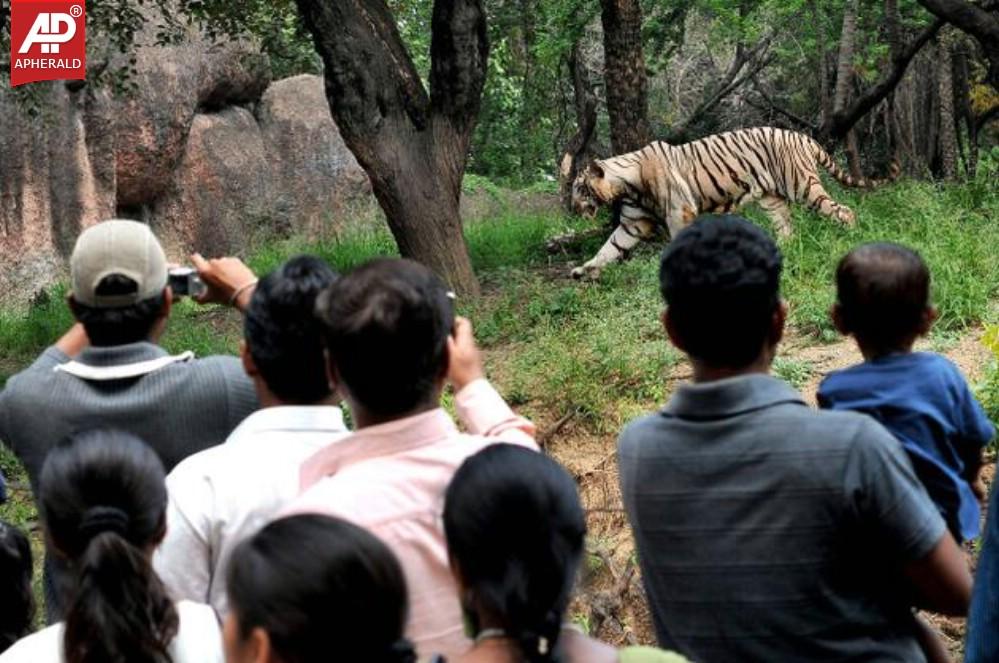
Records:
x=768, y=531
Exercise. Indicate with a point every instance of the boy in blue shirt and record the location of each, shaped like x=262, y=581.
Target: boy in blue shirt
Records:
x=920, y=397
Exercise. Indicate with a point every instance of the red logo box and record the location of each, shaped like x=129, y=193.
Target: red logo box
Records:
x=48, y=41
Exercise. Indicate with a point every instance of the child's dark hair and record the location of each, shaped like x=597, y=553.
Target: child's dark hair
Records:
x=515, y=528
x=317, y=584
x=720, y=278
x=283, y=334
x=883, y=291
x=386, y=328
x=103, y=501
x=17, y=607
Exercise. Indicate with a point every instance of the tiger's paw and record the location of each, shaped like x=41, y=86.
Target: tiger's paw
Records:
x=846, y=216
x=586, y=273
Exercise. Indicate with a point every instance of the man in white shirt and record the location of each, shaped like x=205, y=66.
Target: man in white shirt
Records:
x=222, y=495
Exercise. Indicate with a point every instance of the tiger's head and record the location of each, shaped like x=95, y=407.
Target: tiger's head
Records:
x=591, y=190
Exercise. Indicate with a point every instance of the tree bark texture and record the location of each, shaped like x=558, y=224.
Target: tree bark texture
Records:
x=580, y=148
x=624, y=72
x=981, y=24
x=844, y=80
x=413, y=145
x=945, y=91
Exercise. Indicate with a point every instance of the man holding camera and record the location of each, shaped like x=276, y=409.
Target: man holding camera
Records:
x=108, y=371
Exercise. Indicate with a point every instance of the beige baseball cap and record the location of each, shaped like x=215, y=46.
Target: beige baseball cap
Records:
x=126, y=248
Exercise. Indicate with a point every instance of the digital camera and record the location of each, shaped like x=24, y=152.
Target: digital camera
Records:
x=185, y=282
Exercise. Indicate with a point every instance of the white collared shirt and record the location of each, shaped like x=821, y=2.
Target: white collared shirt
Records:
x=198, y=640
x=222, y=495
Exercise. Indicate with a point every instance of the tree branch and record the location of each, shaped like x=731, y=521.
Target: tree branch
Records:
x=772, y=106
x=459, y=51
x=977, y=22
x=731, y=82
x=840, y=122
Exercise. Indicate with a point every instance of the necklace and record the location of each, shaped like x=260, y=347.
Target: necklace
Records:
x=498, y=633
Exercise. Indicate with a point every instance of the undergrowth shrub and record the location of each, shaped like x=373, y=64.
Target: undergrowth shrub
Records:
x=988, y=389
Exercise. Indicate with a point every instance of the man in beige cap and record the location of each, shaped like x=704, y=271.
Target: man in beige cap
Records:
x=108, y=371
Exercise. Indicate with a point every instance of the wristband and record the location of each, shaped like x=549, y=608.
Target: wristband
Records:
x=240, y=290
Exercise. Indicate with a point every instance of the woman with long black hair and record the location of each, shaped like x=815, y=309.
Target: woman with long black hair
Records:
x=103, y=504
x=315, y=589
x=515, y=530
x=17, y=605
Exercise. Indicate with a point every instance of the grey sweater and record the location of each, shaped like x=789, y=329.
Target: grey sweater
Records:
x=178, y=410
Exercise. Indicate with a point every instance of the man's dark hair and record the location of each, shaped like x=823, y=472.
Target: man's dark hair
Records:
x=386, y=328
x=123, y=324
x=282, y=332
x=720, y=278
x=883, y=290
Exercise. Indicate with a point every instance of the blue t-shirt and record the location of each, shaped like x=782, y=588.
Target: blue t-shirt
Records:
x=925, y=402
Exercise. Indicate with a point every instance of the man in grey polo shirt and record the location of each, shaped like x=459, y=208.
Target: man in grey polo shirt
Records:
x=109, y=372
x=768, y=531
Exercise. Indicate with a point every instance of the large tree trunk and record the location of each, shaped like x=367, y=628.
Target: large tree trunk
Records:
x=844, y=80
x=624, y=72
x=413, y=145
x=580, y=148
x=981, y=24
x=965, y=118
x=945, y=91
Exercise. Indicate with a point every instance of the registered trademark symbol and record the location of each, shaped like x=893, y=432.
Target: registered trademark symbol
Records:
x=76, y=11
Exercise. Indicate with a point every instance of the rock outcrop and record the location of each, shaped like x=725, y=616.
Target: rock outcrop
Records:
x=206, y=149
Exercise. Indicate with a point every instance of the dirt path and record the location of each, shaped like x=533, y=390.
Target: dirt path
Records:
x=611, y=602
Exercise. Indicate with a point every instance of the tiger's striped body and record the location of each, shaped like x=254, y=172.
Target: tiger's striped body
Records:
x=669, y=185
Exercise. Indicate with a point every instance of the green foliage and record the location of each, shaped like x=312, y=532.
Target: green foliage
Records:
x=988, y=390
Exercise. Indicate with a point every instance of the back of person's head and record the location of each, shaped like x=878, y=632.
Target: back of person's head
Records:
x=119, y=274
x=317, y=589
x=515, y=531
x=720, y=278
x=883, y=294
x=103, y=502
x=283, y=334
x=386, y=327
x=17, y=607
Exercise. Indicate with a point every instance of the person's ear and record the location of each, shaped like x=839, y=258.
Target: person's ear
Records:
x=778, y=323
x=258, y=646
x=332, y=375
x=930, y=315
x=167, y=303
x=672, y=333
x=249, y=365
x=838, y=319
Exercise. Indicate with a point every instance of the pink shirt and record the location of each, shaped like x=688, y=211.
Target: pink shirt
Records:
x=391, y=480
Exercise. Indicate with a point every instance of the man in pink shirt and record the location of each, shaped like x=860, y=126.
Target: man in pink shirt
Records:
x=394, y=342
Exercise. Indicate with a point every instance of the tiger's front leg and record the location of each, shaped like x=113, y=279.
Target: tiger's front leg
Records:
x=624, y=238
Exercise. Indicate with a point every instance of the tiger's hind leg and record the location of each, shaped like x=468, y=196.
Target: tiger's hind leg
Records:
x=779, y=212
x=625, y=237
x=818, y=199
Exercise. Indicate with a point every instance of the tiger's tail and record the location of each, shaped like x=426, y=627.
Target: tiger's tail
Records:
x=846, y=179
